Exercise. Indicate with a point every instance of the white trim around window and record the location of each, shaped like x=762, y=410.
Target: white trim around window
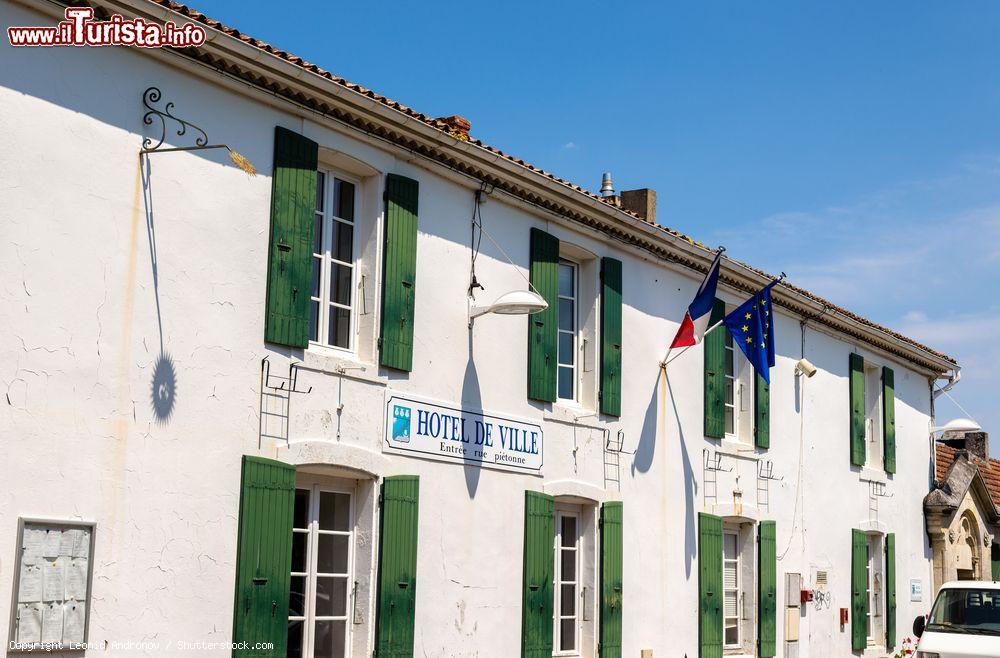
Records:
x=568, y=331
x=566, y=611
x=334, y=295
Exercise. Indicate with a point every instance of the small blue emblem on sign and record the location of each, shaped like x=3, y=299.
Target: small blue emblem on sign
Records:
x=400, y=423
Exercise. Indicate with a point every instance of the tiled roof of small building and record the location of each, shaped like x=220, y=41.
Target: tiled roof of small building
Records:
x=988, y=468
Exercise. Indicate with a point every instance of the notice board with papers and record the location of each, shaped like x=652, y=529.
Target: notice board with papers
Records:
x=52, y=579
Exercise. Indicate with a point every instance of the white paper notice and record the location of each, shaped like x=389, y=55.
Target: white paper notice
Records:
x=76, y=579
x=32, y=544
x=75, y=621
x=29, y=623
x=50, y=545
x=52, y=622
x=81, y=545
x=53, y=586
x=68, y=541
x=29, y=586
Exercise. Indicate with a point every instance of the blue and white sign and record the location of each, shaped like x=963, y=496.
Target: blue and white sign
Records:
x=420, y=428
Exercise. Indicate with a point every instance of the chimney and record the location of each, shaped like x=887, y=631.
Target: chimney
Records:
x=977, y=444
x=458, y=126
x=642, y=202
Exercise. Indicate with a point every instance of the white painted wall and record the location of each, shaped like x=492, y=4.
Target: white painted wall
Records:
x=104, y=267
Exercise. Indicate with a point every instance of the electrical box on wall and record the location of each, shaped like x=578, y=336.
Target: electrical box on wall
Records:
x=793, y=587
x=843, y=618
x=806, y=596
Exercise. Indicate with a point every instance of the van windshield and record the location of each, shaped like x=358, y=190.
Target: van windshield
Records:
x=966, y=610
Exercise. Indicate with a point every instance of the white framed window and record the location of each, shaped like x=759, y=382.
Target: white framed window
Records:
x=334, y=266
x=873, y=590
x=568, y=329
x=322, y=583
x=731, y=588
x=739, y=400
x=873, y=416
x=566, y=637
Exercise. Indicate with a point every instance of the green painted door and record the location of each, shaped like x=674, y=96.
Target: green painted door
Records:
x=611, y=337
x=611, y=580
x=715, y=374
x=767, y=602
x=890, y=590
x=263, y=556
x=539, y=568
x=399, y=272
x=709, y=586
x=289, y=261
x=859, y=587
x=397, y=572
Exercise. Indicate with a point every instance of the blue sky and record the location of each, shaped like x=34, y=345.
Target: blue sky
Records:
x=853, y=145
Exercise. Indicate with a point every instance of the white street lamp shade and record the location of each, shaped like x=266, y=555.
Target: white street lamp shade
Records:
x=519, y=302
x=959, y=425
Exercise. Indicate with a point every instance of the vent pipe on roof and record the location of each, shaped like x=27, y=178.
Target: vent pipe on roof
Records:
x=607, y=188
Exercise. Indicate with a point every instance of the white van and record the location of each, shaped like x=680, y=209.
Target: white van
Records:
x=964, y=622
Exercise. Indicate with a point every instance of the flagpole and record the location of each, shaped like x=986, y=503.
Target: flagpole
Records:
x=666, y=359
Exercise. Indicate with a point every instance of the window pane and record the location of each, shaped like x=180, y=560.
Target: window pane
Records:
x=730, y=388
x=568, y=571
x=566, y=280
x=566, y=383
x=295, y=630
x=318, y=234
x=301, y=516
x=567, y=601
x=340, y=283
x=729, y=604
x=313, y=320
x=345, y=200
x=331, y=638
x=331, y=596
x=730, y=361
x=297, y=597
x=732, y=635
x=730, y=547
x=566, y=314
x=340, y=327
x=332, y=556
x=730, y=427
x=565, y=348
x=320, y=190
x=343, y=242
x=299, y=540
x=567, y=634
x=568, y=531
x=334, y=511
x=317, y=264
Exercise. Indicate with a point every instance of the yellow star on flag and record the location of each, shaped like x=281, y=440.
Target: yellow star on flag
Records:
x=745, y=328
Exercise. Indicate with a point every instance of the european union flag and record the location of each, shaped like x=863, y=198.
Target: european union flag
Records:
x=751, y=327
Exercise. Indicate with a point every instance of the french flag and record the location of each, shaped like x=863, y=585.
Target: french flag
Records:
x=695, y=322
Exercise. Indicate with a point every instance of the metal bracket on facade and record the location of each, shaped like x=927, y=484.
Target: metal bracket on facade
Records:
x=878, y=490
x=765, y=471
x=279, y=389
x=617, y=444
x=713, y=462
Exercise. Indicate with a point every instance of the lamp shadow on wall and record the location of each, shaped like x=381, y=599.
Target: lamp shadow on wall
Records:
x=163, y=386
x=472, y=397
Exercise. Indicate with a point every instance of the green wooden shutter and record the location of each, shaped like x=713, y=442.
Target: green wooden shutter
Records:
x=399, y=272
x=762, y=417
x=543, y=330
x=611, y=337
x=611, y=581
x=890, y=590
x=767, y=612
x=539, y=567
x=397, y=578
x=264, y=556
x=995, y=561
x=715, y=374
x=709, y=586
x=857, y=384
x=289, y=261
x=859, y=584
x=889, y=418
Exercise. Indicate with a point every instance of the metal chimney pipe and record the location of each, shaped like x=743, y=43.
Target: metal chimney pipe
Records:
x=607, y=188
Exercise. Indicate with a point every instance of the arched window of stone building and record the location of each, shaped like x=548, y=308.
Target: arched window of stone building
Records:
x=967, y=558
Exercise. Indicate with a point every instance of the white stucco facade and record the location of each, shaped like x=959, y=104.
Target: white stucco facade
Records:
x=112, y=265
